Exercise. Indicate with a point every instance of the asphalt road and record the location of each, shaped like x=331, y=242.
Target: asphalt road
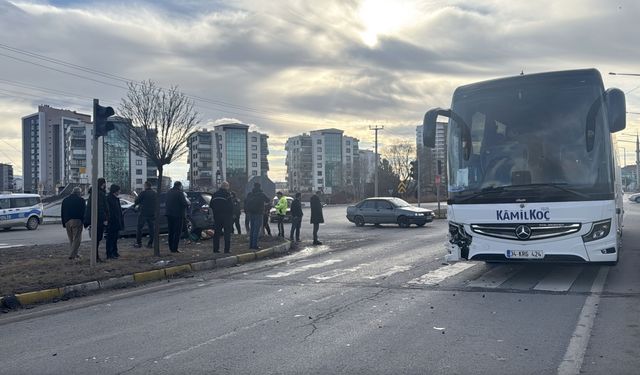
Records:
x=54, y=233
x=370, y=300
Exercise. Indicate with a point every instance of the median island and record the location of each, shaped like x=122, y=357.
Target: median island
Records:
x=32, y=268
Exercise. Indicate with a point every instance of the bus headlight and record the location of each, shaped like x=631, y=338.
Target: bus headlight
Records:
x=599, y=229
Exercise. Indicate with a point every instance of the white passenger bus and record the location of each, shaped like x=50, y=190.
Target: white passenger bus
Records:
x=20, y=210
x=532, y=172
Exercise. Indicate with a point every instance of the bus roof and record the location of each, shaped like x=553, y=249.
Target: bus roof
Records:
x=588, y=75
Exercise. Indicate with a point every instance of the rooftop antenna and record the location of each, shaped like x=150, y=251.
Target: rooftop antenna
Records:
x=522, y=72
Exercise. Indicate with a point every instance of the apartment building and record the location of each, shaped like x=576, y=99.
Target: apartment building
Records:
x=228, y=152
x=323, y=160
x=58, y=149
x=429, y=157
x=43, y=147
x=6, y=177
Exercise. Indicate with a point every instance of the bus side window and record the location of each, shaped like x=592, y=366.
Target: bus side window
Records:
x=4, y=203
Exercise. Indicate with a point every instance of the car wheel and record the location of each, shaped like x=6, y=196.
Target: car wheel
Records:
x=32, y=223
x=421, y=224
x=403, y=222
x=189, y=225
x=7, y=229
x=359, y=221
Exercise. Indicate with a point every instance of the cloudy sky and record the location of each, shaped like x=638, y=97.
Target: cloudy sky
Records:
x=286, y=67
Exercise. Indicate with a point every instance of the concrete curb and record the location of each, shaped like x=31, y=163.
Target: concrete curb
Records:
x=69, y=291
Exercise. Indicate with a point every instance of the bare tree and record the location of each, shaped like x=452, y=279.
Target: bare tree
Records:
x=161, y=122
x=399, y=156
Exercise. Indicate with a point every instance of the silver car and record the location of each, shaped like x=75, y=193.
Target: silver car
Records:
x=388, y=210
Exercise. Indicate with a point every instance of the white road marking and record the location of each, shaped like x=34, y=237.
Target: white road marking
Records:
x=221, y=337
x=7, y=246
x=393, y=270
x=495, y=277
x=304, y=268
x=335, y=273
x=573, y=357
x=435, y=277
x=559, y=279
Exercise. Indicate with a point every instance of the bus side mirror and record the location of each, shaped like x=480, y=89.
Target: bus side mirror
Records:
x=616, y=110
x=429, y=125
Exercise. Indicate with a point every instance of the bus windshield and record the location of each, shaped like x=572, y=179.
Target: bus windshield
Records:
x=528, y=140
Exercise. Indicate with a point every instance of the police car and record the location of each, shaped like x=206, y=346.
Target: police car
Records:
x=17, y=210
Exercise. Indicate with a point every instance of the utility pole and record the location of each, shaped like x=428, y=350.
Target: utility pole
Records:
x=375, y=129
x=637, y=162
x=419, y=148
x=93, y=253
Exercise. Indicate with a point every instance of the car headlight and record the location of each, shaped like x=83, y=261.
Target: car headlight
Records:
x=418, y=214
x=599, y=229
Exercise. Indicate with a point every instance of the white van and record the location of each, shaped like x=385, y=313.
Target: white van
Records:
x=18, y=210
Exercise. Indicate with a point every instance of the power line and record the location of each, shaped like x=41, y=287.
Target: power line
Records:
x=113, y=76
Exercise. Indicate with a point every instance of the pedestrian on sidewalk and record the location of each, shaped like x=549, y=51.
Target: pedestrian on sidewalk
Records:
x=146, y=205
x=236, y=212
x=103, y=213
x=316, y=216
x=296, y=217
x=222, y=208
x=255, y=205
x=72, y=215
x=281, y=211
x=176, y=207
x=116, y=222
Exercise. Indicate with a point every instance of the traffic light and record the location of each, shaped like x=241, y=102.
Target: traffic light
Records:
x=412, y=170
x=101, y=123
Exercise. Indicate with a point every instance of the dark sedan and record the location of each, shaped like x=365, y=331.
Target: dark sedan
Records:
x=199, y=215
x=388, y=210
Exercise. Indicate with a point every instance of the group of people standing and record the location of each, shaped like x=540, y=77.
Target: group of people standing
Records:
x=226, y=212
x=76, y=213
x=224, y=205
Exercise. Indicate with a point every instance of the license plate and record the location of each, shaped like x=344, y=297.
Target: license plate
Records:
x=525, y=254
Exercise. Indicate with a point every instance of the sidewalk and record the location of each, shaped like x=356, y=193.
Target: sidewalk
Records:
x=41, y=268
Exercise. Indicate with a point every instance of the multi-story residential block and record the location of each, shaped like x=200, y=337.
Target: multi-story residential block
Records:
x=58, y=147
x=43, y=145
x=228, y=152
x=322, y=160
x=429, y=157
x=6, y=177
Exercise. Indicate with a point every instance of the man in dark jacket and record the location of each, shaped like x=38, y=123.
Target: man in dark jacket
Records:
x=176, y=206
x=72, y=215
x=255, y=202
x=146, y=203
x=296, y=217
x=316, y=216
x=103, y=213
x=116, y=221
x=222, y=209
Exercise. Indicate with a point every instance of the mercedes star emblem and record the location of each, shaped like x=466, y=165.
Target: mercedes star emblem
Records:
x=523, y=232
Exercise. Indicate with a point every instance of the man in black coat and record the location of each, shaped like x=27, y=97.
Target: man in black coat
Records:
x=103, y=213
x=296, y=217
x=72, y=215
x=254, y=207
x=146, y=203
x=222, y=208
x=116, y=222
x=316, y=216
x=176, y=206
